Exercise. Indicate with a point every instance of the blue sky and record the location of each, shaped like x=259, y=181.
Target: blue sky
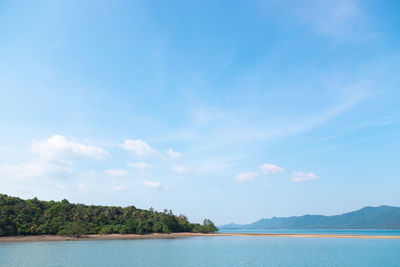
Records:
x=232, y=110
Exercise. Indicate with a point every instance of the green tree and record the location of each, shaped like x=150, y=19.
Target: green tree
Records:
x=75, y=229
x=32, y=217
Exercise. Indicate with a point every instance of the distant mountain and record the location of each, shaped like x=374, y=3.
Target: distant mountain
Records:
x=383, y=217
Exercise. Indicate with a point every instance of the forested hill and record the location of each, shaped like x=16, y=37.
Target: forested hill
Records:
x=383, y=217
x=33, y=217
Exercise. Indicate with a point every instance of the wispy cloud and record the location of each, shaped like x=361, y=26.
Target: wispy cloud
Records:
x=140, y=165
x=350, y=97
x=138, y=147
x=116, y=172
x=205, y=115
x=152, y=184
x=118, y=187
x=381, y=121
x=246, y=176
x=35, y=169
x=336, y=18
x=244, y=133
x=174, y=154
x=268, y=169
x=181, y=169
x=303, y=176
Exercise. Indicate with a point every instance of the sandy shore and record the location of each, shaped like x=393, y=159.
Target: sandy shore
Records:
x=46, y=238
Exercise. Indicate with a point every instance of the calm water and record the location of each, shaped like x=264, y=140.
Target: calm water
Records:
x=314, y=231
x=206, y=251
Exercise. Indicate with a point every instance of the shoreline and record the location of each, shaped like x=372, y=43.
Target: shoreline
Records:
x=94, y=237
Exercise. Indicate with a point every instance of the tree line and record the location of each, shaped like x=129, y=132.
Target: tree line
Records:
x=36, y=217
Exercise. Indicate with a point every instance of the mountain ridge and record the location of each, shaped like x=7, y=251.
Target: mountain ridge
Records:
x=381, y=217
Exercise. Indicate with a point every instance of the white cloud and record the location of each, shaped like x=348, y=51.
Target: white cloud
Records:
x=116, y=172
x=34, y=169
x=58, y=148
x=246, y=176
x=268, y=169
x=181, y=169
x=54, y=159
x=303, y=176
x=174, y=154
x=139, y=147
x=139, y=165
x=152, y=184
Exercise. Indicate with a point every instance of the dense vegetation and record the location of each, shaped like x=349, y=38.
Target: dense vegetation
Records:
x=34, y=217
x=383, y=217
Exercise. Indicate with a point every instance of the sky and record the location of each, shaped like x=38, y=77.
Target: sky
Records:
x=228, y=110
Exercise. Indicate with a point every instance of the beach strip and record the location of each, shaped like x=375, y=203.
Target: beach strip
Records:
x=47, y=238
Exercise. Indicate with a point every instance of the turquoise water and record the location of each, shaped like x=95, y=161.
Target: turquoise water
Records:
x=205, y=251
x=313, y=231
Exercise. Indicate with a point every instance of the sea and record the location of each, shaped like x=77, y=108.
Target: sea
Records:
x=212, y=251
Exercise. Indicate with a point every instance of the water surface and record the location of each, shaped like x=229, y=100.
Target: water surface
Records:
x=205, y=251
x=313, y=231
